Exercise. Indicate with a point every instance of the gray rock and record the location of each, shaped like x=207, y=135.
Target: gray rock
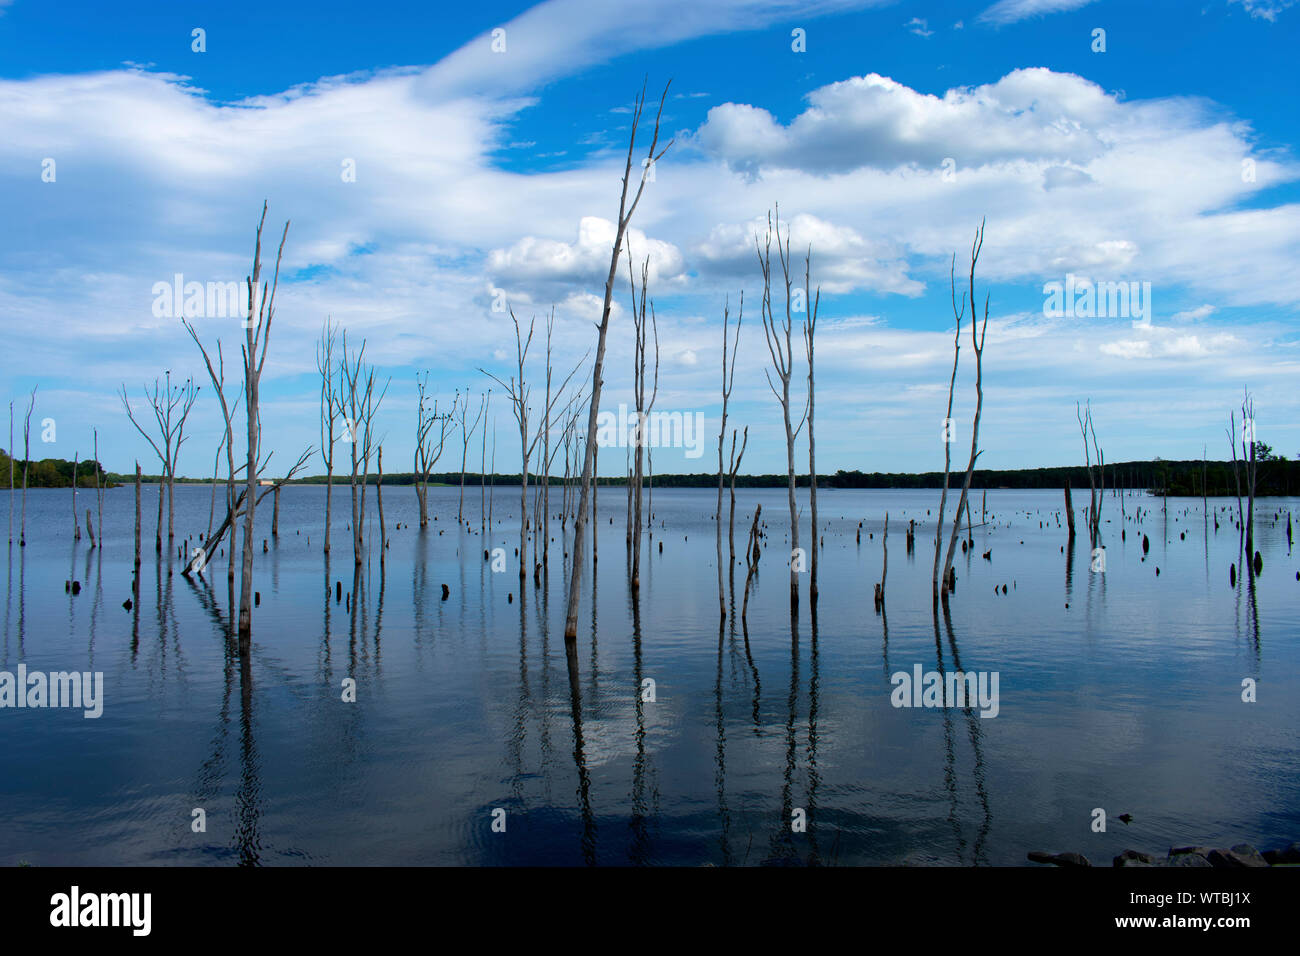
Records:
x=1290, y=854
x=1241, y=855
x=1189, y=856
x=1059, y=859
x=1134, y=858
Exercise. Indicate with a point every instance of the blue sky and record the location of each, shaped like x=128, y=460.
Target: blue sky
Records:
x=886, y=140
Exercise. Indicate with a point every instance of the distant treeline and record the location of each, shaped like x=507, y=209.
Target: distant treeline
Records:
x=1277, y=476
x=49, y=473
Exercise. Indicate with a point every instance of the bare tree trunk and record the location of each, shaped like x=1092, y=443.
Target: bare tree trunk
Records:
x=137, y=530
x=27, y=457
x=1069, y=511
x=379, y=501
x=809, y=335
x=329, y=412
x=948, y=433
x=11, y=472
x=751, y=560
x=1232, y=442
x=643, y=410
x=782, y=356
x=99, y=492
x=884, y=566
x=482, y=490
x=76, y=527
x=978, y=345
x=588, y=460
x=1248, y=421
x=257, y=333
x=728, y=378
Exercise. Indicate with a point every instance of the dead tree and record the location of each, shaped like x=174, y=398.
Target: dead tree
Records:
x=76, y=524
x=1086, y=428
x=99, y=495
x=136, y=586
x=728, y=378
x=809, y=335
x=27, y=460
x=545, y=503
x=977, y=343
x=731, y=474
x=359, y=403
x=217, y=375
x=643, y=407
x=379, y=501
x=625, y=211
x=948, y=430
x=257, y=335
x=427, y=452
x=11, y=472
x=329, y=415
x=171, y=407
x=519, y=391
x=884, y=565
x=776, y=331
x=1245, y=516
x=541, y=497
x=751, y=561
x=1069, y=512
x=482, y=468
x=465, y=435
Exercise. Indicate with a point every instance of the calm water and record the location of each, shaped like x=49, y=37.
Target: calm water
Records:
x=1128, y=699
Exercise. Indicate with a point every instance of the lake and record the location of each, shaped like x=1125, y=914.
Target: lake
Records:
x=1119, y=690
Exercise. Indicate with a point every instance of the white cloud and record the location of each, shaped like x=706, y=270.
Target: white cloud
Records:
x=1011, y=11
x=1265, y=9
x=1064, y=177
x=842, y=260
x=919, y=27
x=1158, y=342
x=155, y=178
x=534, y=260
x=1193, y=315
x=561, y=37
x=875, y=121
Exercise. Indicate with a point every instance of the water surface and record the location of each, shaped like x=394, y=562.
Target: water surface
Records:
x=1119, y=690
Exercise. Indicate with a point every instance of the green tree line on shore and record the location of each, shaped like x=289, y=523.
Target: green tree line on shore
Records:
x=51, y=472
x=1277, y=476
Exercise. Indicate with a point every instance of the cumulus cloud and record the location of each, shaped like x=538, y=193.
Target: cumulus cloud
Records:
x=874, y=121
x=536, y=261
x=842, y=259
x=1158, y=342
